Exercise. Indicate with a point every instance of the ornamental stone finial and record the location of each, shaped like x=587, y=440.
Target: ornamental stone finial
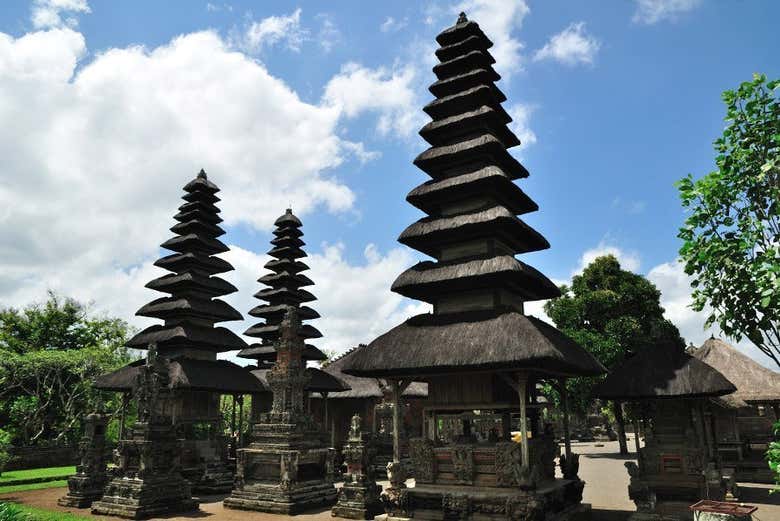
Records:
x=462, y=18
x=202, y=174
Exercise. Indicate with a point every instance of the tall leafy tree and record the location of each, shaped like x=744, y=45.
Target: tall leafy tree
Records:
x=731, y=238
x=49, y=355
x=612, y=313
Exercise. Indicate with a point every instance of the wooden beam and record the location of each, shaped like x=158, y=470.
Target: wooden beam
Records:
x=565, y=409
x=396, y=387
x=522, y=381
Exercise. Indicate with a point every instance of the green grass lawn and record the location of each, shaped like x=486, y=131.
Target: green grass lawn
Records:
x=33, y=486
x=15, y=512
x=49, y=472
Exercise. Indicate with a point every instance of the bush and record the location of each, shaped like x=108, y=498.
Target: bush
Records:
x=11, y=512
x=773, y=457
x=5, y=445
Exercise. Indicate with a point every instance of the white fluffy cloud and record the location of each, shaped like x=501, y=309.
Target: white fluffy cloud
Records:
x=285, y=29
x=521, y=118
x=391, y=25
x=499, y=19
x=571, y=46
x=387, y=92
x=49, y=13
x=653, y=11
x=95, y=157
x=628, y=260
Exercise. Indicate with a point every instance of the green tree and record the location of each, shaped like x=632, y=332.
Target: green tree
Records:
x=731, y=239
x=612, y=313
x=49, y=355
x=773, y=457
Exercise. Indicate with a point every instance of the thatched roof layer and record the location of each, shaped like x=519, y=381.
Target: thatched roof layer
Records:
x=435, y=344
x=755, y=383
x=267, y=352
x=660, y=372
x=192, y=309
x=186, y=373
x=319, y=381
x=365, y=387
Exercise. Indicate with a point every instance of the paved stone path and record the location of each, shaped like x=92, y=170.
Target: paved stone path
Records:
x=600, y=466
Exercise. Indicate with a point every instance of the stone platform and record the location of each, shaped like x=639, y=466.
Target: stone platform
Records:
x=134, y=498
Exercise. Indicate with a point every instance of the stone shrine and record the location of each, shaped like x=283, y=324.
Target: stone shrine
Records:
x=91, y=476
x=287, y=467
x=359, y=497
x=148, y=481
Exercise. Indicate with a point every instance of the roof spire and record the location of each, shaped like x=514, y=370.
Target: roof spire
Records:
x=202, y=174
x=462, y=18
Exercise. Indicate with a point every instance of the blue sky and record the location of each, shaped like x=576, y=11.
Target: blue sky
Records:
x=614, y=101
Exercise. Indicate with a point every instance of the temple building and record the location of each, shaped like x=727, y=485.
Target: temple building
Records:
x=679, y=463
x=479, y=353
x=189, y=340
x=746, y=417
x=288, y=466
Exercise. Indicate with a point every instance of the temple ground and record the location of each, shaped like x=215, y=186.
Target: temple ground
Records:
x=600, y=466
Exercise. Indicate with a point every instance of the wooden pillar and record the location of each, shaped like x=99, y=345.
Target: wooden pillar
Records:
x=522, y=382
x=233, y=416
x=123, y=415
x=240, y=420
x=374, y=427
x=636, y=442
x=325, y=422
x=565, y=411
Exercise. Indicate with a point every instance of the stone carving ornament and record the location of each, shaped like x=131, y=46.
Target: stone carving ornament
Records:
x=463, y=464
x=423, y=460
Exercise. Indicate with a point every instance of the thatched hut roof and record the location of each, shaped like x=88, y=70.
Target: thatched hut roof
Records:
x=663, y=371
x=755, y=383
x=319, y=381
x=219, y=376
x=365, y=387
x=474, y=340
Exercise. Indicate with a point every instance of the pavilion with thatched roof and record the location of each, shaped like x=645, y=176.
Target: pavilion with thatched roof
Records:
x=679, y=463
x=745, y=422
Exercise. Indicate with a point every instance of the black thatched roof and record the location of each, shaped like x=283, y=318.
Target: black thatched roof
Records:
x=284, y=289
x=319, y=381
x=495, y=340
x=191, y=309
x=663, y=371
x=219, y=376
x=755, y=383
x=365, y=387
x=268, y=353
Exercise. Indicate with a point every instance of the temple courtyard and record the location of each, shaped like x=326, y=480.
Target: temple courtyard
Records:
x=600, y=466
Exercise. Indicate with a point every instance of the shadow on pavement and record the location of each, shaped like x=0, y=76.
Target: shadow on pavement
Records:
x=759, y=495
x=598, y=514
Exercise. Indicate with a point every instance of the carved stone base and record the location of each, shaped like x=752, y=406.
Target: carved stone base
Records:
x=358, y=501
x=82, y=491
x=216, y=478
x=135, y=498
x=271, y=498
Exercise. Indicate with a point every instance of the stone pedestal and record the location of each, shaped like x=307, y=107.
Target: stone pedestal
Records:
x=359, y=497
x=90, y=479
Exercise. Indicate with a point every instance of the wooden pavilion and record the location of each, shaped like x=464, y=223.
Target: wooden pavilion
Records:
x=479, y=353
x=189, y=341
x=679, y=463
x=745, y=422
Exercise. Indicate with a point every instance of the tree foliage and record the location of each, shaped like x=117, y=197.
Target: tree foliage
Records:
x=612, y=313
x=731, y=239
x=773, y=457
x=49, y=356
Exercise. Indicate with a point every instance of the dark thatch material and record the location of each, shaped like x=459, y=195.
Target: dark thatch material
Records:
x=427, y=280
x=365, y=387
x=663, y=371
x=319, y=382
x=484, y=118
x=188, y=335
x=268, y=353
x=435, y=344
x=475, y=153
x=219, y=376
x=458, y=105
x=755, y=383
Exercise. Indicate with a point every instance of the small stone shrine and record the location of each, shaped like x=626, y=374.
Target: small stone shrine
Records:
x=359, y=497
x=287, y=467
x=679, y=463
x=481, y=356
x=148, y=481
x=91, y=475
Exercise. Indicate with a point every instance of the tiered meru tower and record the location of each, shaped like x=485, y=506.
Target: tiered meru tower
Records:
x=189, y=339
x=480, y=354
x=288, y=466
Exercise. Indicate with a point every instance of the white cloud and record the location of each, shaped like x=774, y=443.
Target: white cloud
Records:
x=521, y=116
x=571, y=46
x=653, y=11
x=499, y=19
x=391, y=25
x=632, y=207
x=628, y=260
x=272, y=30
x=387, y=92
x=49, y=13
x=95, y=159
x=214, y=8
x=359, y=151
x=329, y=35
